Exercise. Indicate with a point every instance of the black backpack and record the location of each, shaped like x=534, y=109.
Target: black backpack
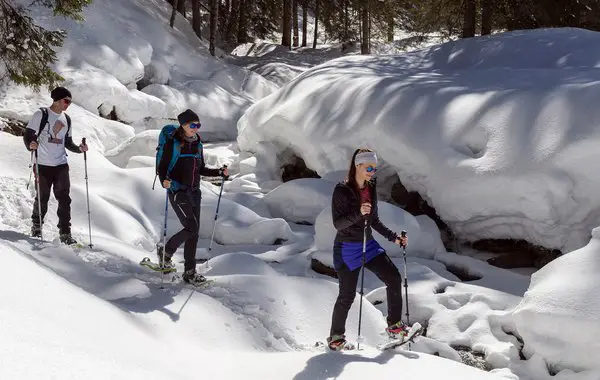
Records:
x=45, y=121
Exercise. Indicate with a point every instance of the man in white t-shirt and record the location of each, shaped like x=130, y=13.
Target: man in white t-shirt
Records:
x=50, y=144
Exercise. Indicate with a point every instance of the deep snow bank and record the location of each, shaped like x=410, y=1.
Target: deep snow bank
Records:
x=497, y=142
x=123, y=44
x=123, y=204
x=559, y=316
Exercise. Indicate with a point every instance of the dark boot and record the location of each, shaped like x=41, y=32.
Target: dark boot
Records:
x=67, y=239
x=191, y=277
x=167, y=265
x=36, y=231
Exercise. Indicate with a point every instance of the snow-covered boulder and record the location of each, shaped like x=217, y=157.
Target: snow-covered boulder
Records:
x=300, y=200
x=559, y=316
x=499, y=145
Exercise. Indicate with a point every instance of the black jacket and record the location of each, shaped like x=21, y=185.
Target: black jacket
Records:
x=347, y=219
x=187, y=170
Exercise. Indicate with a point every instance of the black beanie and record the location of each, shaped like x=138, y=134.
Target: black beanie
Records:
x=187, y=116
x=60, y=93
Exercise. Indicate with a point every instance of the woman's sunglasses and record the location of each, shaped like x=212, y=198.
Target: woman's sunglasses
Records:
x=195, y=125
x=371, y=169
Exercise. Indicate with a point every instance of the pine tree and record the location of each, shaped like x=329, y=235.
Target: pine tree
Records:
x=27, y=51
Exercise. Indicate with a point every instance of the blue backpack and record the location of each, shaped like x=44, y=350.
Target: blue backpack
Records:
x=166, y=134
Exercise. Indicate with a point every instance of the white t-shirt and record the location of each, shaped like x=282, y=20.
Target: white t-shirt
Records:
x=51, y=143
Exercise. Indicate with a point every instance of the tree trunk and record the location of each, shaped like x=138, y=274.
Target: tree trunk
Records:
x=286, y=39
x=174, y=12
x=304, y=21
x=486, y=17
x=317, y=9
x=365, y=47
x=470, y=18
x=295, y=22
x=196, y=18
x=214, y=20
x=181, y=7
x=232, y=31
x=223, y=10
x=346, y=22
x=390, y=28
x=242, y=22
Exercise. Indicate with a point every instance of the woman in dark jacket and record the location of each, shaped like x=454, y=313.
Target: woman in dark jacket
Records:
x=183, y=182
x=354, y=211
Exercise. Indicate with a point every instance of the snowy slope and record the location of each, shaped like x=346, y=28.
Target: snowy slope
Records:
x=498, y=145
x=56, y=330
x=563, y=295
x=123, y=42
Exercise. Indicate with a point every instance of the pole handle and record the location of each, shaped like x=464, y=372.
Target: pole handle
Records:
x=84, y=153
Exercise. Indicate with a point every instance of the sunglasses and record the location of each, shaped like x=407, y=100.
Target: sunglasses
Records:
x=371, y=169
x=67, y=101
x=195, y=125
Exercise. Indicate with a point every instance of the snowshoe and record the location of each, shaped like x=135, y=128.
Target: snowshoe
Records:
x=148, y=263
x=67, y=239
x=195, y=279
x=415, y=331
x=339, y=343
x=398, y=330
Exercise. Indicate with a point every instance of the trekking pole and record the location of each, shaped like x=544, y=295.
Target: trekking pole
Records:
x=30, y=170
x=164, y=243
x=39, y=199
x=403, y=234
x=87, y=192
x=362, y=283
x=217, y=213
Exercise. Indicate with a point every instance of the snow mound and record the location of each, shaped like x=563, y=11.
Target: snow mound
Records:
x=124, y=197
x=126, y=46
x=218, y=110
x=299, y=200
x=563, y=296
x=499, y=146
x=238, y=263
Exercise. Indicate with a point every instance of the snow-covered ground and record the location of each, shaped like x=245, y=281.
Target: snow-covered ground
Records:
x=95, y=313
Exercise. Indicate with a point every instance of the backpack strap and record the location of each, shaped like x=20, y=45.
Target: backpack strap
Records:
x=44, y=120
x=68, y=124
x=175, y=155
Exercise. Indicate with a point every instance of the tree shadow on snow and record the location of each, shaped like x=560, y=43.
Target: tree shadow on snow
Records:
x=330, y=365
x=101, y=279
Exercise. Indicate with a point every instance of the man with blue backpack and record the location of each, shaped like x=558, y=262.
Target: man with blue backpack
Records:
x=180, y=163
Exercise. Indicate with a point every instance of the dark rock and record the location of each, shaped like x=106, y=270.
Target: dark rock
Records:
x=472, y=358
x=296, y=168
x=413, y=203
x=321, y=268
x=12, y=126
x=461, y=273
x=516, y=253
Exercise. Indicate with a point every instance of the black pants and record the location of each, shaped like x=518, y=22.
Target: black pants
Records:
x=57, y=178
x=186, y=204
x=387, y=272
